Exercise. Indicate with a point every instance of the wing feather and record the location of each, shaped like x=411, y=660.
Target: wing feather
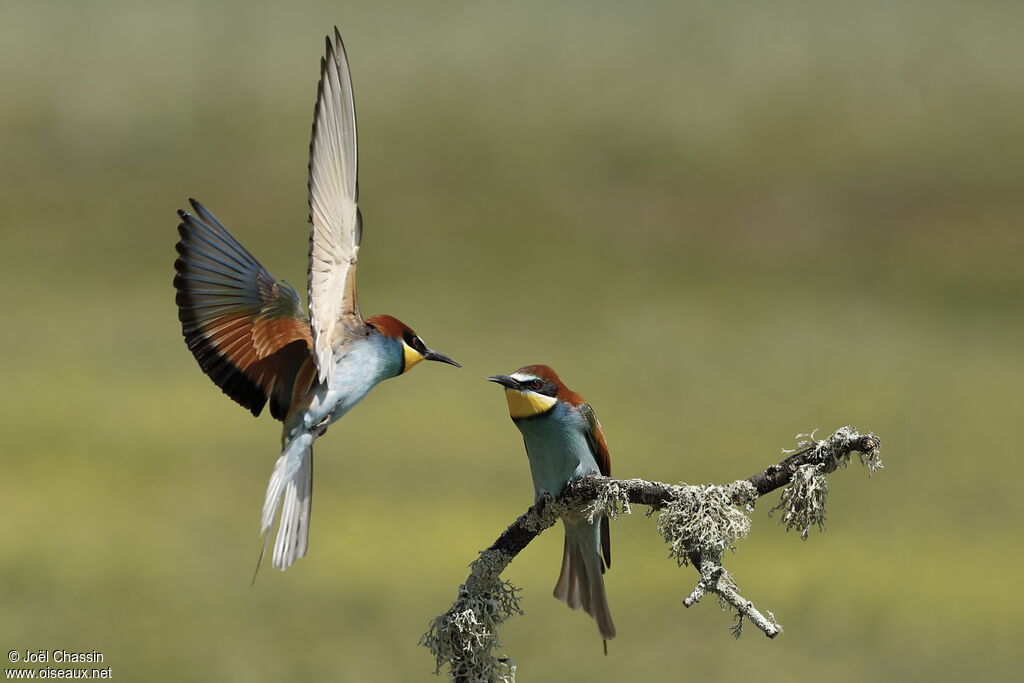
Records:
x=247, y=331
x=599, y=447
x=333, y=212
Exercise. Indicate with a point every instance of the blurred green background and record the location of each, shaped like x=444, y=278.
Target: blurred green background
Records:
x=723, y=223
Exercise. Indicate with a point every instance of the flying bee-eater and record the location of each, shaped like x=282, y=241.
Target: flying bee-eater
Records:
x=254, y=339
x=564, y=441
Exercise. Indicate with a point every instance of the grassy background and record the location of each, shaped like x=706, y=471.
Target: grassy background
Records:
x=724, y=223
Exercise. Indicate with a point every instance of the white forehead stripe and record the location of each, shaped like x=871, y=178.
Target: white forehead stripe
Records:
x=523, y=377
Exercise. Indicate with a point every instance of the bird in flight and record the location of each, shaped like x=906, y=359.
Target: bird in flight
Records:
x=252, y=336
x=564, y=441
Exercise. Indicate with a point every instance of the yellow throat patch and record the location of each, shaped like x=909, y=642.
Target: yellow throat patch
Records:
x=527, y=403
x=411, y=355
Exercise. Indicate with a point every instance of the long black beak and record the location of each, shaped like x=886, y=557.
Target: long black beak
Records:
x=438, y=356
x=505, y=381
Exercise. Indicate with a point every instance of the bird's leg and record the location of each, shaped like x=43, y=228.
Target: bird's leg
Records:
x=320, y=428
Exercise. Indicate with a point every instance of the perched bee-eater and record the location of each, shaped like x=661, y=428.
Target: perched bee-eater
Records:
x=251, y=334
x=564, y=441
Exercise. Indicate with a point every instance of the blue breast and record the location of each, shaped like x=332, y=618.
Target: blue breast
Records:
x=365, y=363
x=557, y=447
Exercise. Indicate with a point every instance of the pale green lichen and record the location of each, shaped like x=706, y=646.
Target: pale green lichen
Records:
x=872, y=459
x=803, y=501
x=700, y=524
x=742, y=492
x=465, y=637
x=612, y=501
x=835, y=451
x=543, y=514
x=703, y=520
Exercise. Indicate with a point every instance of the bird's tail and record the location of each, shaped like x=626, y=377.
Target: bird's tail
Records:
x=581, y=582
x=292, y=478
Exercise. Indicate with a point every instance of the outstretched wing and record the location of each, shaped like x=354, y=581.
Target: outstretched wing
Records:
x=336, y=232
x=246, y=329
x=599, y=447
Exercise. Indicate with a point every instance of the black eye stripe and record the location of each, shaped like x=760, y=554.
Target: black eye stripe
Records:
x=415, y=342
x=540, y=386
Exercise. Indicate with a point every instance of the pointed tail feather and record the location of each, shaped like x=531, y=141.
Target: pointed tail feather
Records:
x=581, y=581
x=292, y=480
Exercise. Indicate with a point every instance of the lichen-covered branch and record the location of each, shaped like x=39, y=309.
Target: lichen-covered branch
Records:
x=715, y=579
x=699, y=523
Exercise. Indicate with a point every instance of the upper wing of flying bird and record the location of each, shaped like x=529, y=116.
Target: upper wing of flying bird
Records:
x=336, y=232
x=246, y=329
x=599, y=447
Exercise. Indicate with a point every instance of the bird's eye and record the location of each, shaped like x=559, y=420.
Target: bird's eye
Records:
x=534, y=385
x=414, y=342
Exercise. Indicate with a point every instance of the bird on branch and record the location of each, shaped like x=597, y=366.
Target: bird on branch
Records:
x=564, y=442
x=251, y=335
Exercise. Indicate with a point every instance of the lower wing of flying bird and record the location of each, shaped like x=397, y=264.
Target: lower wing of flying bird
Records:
x=247, y=330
